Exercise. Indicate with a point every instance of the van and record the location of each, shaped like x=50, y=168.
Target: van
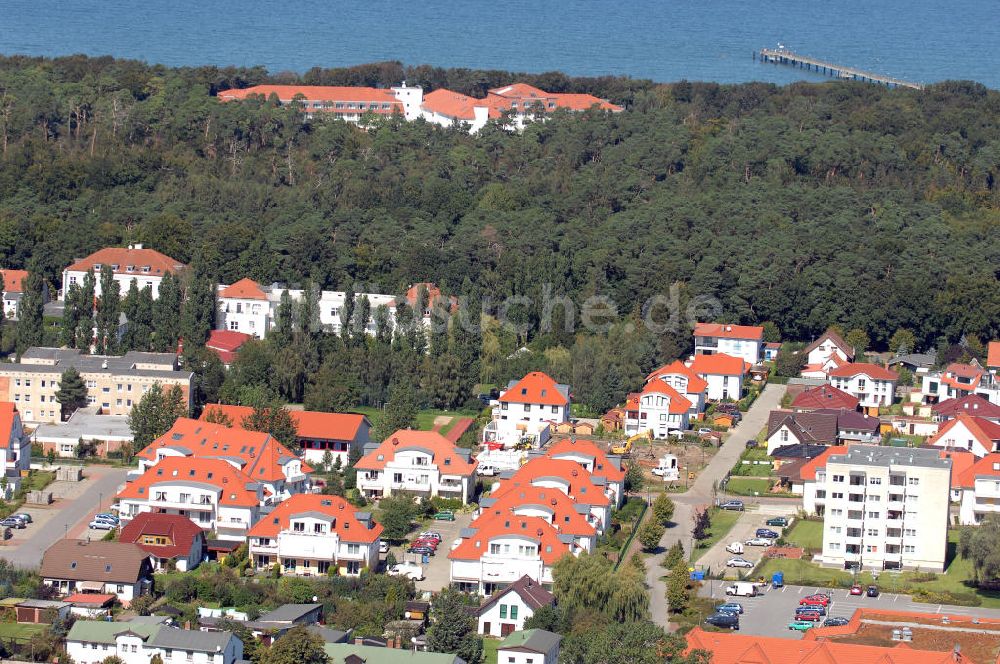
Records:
x=735, y=547
x=742, y=589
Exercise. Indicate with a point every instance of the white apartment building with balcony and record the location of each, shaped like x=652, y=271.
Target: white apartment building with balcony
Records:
x=885, y=508
x=526, y=411
x=743, y=341
x=145, y=267
x=980, y=487
x=423, y=463
x=872, y=385
x=310, y=534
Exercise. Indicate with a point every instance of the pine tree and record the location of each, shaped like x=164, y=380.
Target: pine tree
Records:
x=85, y=325
x=198, y=312
x=347, y=314
x=30, y=330
x=72, y=392
x=359, y=322
x=281, y=334
x=383, y=326
x=400, y=412
x=166, y=315
x=108, y=309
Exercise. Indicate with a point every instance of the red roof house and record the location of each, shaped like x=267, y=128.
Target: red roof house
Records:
x=168, y=538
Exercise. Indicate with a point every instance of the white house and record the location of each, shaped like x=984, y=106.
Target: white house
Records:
x=146, y=267
x=13, y=290
x=139, y=640
x=874, y=386
x=532, y=646
x=687, y=383
x=571, y=519
x=424, y=463
x=659, y=409
x=15, y=445
x=507, y=609
x=968, y=432
x=743, y=341
x=829, y=344
x=886, y=508
x=527, y=409
x=115, y=568
x=168, y=539
x=958, y=381
x=722, y=373
x=308, y=534
x=980, y=486
x=348, y=103
x=502, y=549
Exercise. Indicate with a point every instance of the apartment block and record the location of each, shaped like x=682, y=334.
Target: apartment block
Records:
x=526, y=410
x=742, y=341
x=114, y=383
x=886, y=508
x=134, y=264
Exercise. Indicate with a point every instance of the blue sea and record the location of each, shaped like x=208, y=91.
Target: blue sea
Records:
x=666, y=40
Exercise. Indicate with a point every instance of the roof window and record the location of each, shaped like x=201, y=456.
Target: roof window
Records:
x=524, y=390
x=115, y=266
x=72, y=565
x=210, y=475
x=107, y=568
x=177, y=436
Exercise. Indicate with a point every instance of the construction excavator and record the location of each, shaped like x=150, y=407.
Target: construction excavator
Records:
x=626, y=446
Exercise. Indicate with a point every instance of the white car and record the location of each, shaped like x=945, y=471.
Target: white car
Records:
x=739, y=562
x=407, y=569
x=430, y=534
x=383, y=547
x=760, y=541
x=100, y=524
x=487, y=471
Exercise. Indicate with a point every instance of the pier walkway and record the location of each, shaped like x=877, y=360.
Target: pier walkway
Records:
x=786, y=57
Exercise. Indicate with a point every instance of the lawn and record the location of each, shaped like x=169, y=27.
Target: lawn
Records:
x=19, y=631
x=425, y=418
x=490, y=650
x=39, y=479
x=748, y=486
x=807, y=534
x=722, y=522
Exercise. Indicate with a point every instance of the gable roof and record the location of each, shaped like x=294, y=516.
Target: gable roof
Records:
x=851, y=419
x=679, y=404
x=582, y=487
x=834, y=338
x=234, y=487
x=322, y=93
x=13, y=280
x=454, y=104
x=873, y=371
x=536, y=387
x=993, y=355
x=341, y=653
x=550, y=547
x=107, y=562
x=309, y=424
x=988, y=466
x=726, y=331
x=603, y=465
x=530, y=591
x=449, y=459
x=531, y=640
x=226, y=343
x=808, y=471
x=8, y=417
x=824, y=396
x=244, y=289
x=971, y=404
x=985, y=432
x=158, y=264
x=719, y=364
x=181, y=530
x=342, y=515
x=809, y=427
x=563, y=508
x=695, y=382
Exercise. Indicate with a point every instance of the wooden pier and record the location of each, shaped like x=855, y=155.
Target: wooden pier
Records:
x=786, y=57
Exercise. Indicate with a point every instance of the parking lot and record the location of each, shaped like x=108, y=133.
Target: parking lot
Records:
x=437, y=572
x=745, y=529
x=769, y=614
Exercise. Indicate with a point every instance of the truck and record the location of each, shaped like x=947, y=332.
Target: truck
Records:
x=742, y=589
x=735, y=547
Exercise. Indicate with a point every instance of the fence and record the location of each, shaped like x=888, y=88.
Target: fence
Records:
x=622, y=552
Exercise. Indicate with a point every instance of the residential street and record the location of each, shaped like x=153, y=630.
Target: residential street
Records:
x=700, y=494
x=70, y=518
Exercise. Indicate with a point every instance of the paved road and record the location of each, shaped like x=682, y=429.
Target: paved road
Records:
x=701, y=494
x=770, y=613
x=70, y=518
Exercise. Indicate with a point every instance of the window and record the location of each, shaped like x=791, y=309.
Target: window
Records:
x=299, y=527
x=555, y=409
x=353, y=549
x=835, y=546
x=513, y=611
x=838, y=478
x=837, y=494
x=913, y=481
x=234, y=325
x=836, y=512
x=872, y=532
x=784, y=435
x=874, y=499
x=835, y=530
x=503, y=611
x=494, y=549
x=874, y=481
x=909, y=548
x=319, y=528
x=871, y=548
x=874, y=515
x=910, y=532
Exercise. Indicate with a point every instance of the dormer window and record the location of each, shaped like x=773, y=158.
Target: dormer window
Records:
x=114, y=267
x=130, y=268
x=97, y=267
x=145, y=268
x=524, y=391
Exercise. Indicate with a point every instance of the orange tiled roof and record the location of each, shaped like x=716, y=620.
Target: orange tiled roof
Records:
x=719, y=364
x=309, y=424
x=231, y=483
x=582, y=487
x=533, y=528
x=602, y=465
x=583, y=102
x=726, y=331
x=323, y=93
x=695, y=382
x=13, y=280
x=8, y=412
x=966, y=477
x=536, y=387
x=244, y=289
x=808, y=471
x=345, y=524
x=873, y=371
x=973, y=404
x=563, y=509
x=727, y=648
x=993, y=354
x=825, y=396
x=678, y=403
x=158, y=264
x=985, y=432
x=181, y=530
x=519, y=91
x=448, y=460
x=454, y=104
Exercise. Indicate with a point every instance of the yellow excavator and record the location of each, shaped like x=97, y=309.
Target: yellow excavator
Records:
x=626, y=447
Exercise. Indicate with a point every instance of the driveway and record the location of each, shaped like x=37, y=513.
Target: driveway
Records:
x=437, y=572
x=770, y=613
x=746, y=528
x=67, y=517
x=702, y=493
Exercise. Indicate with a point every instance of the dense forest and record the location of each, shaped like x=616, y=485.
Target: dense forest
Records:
x=805, y=205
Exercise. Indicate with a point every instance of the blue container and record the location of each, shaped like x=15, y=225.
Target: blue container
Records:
x=426, y=558
x=778, y=580
x=698, y=575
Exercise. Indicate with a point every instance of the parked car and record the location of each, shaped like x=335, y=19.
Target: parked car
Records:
x=835, y=622
x=107, y=515
x=778, y=521
x=704, y=430
x=817, y=609
x=856, y=589
x=429, y=543
x=732, y=505
x=97, y=524
x=430, y=534
x=751, y=444
x=811, y=616
x=383, y=547
x=872, y=591
x=445, y=515
x=800, y=625
x=487, y=471
x=11, y=522
x=729, y=620
x=421, y=550
x=742, y=589
x=766, y=532
x=23, y=517
x=819, y=599
x=407, y=569
x=729, y=607
x=760, y=541
x=739, y=562
x=735, y=547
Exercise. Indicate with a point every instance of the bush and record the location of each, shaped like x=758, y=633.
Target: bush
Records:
x=650, y=534
x=945, y=597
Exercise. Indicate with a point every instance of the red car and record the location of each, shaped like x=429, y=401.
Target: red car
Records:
x=815, y=600
x=809, y=615
x=857, y=590
x=432, y=543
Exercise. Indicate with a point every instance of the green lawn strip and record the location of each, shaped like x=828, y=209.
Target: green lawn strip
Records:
x=39, y=479
x=722, y=522
x=807, y=534
x=748, y=486
x=425, y=418
x=490, y=646
x=20, y=631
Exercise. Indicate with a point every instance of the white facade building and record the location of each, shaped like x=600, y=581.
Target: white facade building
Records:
x=508, y=608
x=968, y=433
x=723, y=375
x=872, y=385
x=886, y=508
x=423, y=463
x=139, y=640
x=526, y=411
x=980, y=487
x=145, y=267
x=743, y=341
x=659, y=409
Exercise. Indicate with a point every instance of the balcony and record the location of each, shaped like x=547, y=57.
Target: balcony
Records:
x=450, y=486
x=300, y=544
x=180, y=504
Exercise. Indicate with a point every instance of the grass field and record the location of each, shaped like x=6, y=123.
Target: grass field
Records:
x=722, y=522
x=19, y=631
x=807, y=534
x=748, y=486
x=490, y=650
x=425, y=418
